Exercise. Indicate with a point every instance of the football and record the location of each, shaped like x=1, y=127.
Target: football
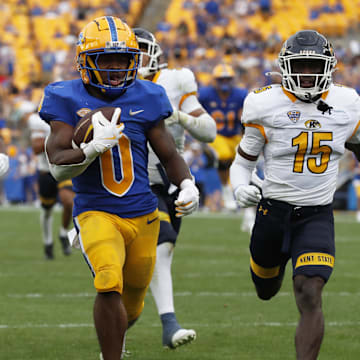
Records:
x=83, y=132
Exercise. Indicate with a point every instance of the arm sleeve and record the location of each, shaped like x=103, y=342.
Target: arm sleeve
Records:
x=240, y=171
x=202, y=128
x=253, y=140
x=65, y=172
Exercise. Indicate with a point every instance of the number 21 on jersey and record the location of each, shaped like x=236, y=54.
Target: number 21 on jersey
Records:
x=315, y=164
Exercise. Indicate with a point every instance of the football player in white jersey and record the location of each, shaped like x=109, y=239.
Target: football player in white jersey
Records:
x=181, y=89
x=49, y=189
x=4, y=165
x=4, y=160
x=302, y=127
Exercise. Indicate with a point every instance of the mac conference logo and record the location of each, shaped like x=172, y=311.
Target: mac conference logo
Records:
x=293, y=115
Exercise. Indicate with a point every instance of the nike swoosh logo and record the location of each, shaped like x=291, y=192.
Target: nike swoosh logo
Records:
x=152, y=220
x=132, y=113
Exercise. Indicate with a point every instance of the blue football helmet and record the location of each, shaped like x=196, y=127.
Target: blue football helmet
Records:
x=307, y=46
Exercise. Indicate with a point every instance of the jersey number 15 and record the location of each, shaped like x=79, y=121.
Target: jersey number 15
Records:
x=314, y=164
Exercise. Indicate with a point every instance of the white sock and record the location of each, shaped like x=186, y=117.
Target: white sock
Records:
x=63, y=232
x=123, y=347
x=46, y=220
x=161, y=283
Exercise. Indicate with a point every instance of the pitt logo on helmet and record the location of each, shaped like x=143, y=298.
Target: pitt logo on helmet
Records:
x=102, y=37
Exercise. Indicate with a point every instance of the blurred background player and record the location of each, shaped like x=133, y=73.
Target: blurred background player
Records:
x=189, y=115
x=224, y=102
x=4, y=165
x=50, y=190
x=4, y=159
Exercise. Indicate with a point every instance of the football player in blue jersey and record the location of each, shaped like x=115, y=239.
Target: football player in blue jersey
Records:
x=224, y=102
x=115, y=211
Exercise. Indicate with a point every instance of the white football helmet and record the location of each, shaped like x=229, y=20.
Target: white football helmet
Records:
x=146, y=40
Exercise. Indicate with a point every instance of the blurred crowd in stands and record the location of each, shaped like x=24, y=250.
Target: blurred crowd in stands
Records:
x=38, y=37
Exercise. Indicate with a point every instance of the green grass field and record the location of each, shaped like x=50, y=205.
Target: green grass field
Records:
x=46, y=307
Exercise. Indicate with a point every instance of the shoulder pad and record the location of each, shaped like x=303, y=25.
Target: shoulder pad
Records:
x=186, y=79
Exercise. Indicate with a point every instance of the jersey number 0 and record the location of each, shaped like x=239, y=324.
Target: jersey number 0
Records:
x=108, y=166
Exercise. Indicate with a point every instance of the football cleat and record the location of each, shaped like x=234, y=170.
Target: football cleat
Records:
x=65, y=245
x=180, y=337
x=48, y=250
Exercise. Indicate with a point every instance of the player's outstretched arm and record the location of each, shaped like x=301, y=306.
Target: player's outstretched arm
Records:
x=176, y=169
x=197, y=122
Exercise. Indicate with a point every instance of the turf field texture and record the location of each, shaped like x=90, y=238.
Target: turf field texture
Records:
x=46, y=306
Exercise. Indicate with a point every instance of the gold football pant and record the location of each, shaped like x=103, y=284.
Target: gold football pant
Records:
x=225, y=147
x=121, y=254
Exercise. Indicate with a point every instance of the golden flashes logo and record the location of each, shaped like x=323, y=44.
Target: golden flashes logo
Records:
x=312, y=124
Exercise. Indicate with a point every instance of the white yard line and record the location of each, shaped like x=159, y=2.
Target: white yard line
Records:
x=195, y=325
x=340, y=216
x=177, y=294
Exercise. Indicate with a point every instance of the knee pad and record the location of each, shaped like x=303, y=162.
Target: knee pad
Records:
x=107, y=280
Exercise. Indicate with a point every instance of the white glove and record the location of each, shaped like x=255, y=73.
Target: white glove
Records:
x=106, y=134
x=188, y=199
x=4, y=165
x=173, y=119
x=247, y=195
x=178, y=117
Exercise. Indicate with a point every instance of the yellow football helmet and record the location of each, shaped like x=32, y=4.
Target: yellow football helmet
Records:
x=224, y=75
x=223, y=71
x=107, y=35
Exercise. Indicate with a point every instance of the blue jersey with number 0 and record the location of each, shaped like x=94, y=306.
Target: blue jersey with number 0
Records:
x=117, y=181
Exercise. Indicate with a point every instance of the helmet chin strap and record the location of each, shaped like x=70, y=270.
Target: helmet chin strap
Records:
x=320, y=105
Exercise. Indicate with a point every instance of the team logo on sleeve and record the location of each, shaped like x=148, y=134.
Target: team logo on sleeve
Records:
x=293, y=115
x=83, y=111
x=260, y=90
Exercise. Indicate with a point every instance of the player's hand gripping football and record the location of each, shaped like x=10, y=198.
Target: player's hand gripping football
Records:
x=247, y=195
x=4, y=165
x=188, y=199
x=106, y=134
